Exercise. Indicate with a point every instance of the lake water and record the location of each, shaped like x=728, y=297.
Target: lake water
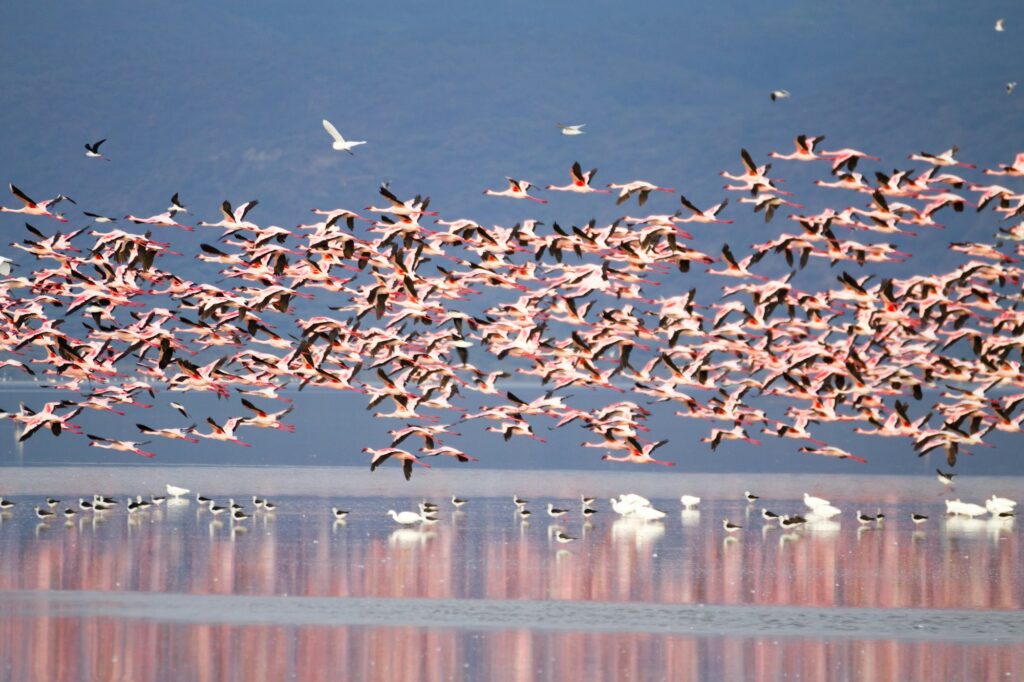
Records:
x=173, y=594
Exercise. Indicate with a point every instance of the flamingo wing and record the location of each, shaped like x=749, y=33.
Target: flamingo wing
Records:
x=21, y=196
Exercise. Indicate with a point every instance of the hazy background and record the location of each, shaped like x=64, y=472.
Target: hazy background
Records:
x=225, y=102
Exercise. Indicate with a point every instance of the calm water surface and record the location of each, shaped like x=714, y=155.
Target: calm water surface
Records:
x=175, y=594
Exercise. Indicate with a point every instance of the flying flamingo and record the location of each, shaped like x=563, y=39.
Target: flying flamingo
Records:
x=580, y=182
x=517, y=189
x=223, y=433
x=641, y=188
x=233, y=219
x=832, y=451
x=36, y=208
x=410, y=208
x=404, y=456
x=946, y=158
x=267, y=420
x=1016, y=169
x=804, y=149
x=640, y=453
x=173, y=434
x=119, y=445
x=846, y=157
x=165, y=219
x=707, y=216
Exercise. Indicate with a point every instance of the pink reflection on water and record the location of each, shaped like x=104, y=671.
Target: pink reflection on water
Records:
x=71, y=649
x=488, y=554
x=493, y=556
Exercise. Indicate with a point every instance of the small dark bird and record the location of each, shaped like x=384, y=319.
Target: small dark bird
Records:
x=555, y=512
x=790, y=521
x=93, y=150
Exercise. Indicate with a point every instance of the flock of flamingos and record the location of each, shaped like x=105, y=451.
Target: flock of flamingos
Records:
x=419, y=311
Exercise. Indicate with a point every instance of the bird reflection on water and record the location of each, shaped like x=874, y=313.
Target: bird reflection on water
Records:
x=488, y=555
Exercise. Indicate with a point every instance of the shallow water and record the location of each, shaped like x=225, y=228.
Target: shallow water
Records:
x=480, y=595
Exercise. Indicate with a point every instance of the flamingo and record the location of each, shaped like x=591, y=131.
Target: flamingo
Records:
x=1016, y=169
x=31, y=207
x=736, y=433
x=165, y=219
x=233, y=219
x=580, y=182
x=267, y=420
x=641, y=188
x=804, y=149
x=846, y=158
x=405, y=457
x=832, y=451
x=640, y=453
x=224, y=433
x=709, y=215
x=119, y=445
x=173, y=434
x=517, y=189
x=736, y=268
x=946, y=158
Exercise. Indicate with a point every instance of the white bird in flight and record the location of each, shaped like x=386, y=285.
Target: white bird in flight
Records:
x=340, y=143
x=1000, y=25
x=571, y=130
x=779, y=94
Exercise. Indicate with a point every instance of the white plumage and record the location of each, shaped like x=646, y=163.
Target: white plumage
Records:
x=340, y=143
